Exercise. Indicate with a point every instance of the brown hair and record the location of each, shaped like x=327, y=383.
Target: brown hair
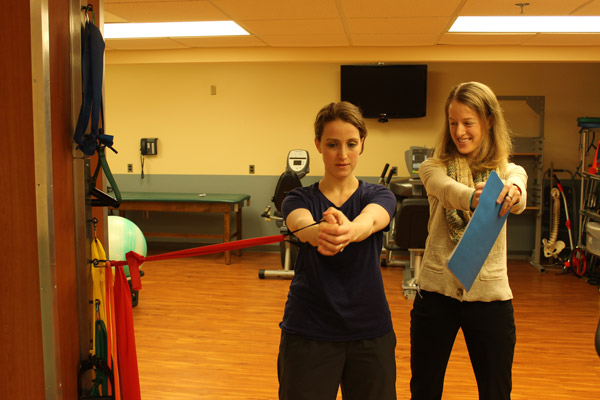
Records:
x=496, y=146
x=343, y=111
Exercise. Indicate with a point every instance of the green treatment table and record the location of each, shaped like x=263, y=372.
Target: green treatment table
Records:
x=191, y=203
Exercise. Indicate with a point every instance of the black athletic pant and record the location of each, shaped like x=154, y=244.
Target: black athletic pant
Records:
x=314, y=370
x=490, y=335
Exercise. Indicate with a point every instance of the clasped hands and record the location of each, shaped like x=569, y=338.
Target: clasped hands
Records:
x=334, y=233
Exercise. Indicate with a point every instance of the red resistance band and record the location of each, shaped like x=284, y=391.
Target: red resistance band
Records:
x=134, y=260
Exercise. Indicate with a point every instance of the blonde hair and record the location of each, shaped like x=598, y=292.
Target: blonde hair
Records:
x=497, y=144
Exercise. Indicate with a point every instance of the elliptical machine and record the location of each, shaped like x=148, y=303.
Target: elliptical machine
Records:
x=297, y=167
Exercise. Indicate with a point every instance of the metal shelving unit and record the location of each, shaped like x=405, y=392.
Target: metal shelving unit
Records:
x=589, y=206
x=529, y=152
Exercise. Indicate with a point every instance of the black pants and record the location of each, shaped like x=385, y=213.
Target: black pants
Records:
x=490, y=335
x=314, y=370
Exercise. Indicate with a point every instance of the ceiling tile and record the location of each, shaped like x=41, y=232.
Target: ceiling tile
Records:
x=417, y=25
x=393, y=40
x=143, y=44
x=111, y=18
x=230, y=41
x=277, y=9
x=591, y=8
x=169, y=11
x=294, y=27
x=484, y=39
x=306, y=40
x=547, y=39
x=397, y=8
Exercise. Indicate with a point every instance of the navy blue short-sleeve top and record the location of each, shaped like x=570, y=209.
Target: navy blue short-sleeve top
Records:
x=340, y=297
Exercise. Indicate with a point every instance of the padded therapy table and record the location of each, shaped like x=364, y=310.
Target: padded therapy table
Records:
x=191, y=203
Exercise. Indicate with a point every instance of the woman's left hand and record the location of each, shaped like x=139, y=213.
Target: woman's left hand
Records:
x=508, y=197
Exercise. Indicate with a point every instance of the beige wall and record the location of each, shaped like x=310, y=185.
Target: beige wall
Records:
x=262, y=110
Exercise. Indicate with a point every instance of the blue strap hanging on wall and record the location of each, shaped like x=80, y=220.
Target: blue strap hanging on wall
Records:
x=92, y=68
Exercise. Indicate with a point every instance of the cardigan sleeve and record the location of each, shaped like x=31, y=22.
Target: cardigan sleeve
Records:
x=450, y=193
x=517, y=175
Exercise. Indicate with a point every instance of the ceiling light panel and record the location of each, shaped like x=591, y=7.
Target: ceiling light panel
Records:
x=504, y=7
x=525, y=23
x=172, y=29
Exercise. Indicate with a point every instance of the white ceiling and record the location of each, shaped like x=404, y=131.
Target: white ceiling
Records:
x=342, y=23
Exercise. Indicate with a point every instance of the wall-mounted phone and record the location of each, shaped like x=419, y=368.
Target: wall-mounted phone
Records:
x=148, y=146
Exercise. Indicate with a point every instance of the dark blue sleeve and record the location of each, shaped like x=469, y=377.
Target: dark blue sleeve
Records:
x=295, y=199
x=382, y=196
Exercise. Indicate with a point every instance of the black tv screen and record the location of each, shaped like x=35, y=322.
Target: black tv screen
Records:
x=396, y=91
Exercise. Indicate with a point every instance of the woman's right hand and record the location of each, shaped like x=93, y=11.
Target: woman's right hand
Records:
x=477, y=194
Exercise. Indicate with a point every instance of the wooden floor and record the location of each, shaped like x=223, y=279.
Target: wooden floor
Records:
x=206, y=330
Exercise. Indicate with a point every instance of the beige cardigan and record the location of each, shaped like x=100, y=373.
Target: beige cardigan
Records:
x=446, y=193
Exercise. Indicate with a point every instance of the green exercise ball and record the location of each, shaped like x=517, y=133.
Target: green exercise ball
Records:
x=124, y=236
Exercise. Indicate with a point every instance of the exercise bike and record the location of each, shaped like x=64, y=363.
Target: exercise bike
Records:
x=297, y=167
x=408, y=229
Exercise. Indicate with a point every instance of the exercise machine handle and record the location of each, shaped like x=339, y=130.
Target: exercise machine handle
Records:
x=393, y=172
x=382, y=178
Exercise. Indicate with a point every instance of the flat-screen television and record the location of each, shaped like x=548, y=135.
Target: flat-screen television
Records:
x=386, y=91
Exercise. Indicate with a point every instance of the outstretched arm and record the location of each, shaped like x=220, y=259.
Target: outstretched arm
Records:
x=300, y=218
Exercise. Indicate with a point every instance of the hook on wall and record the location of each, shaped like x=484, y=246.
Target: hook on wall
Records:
x=89, y=9
x=94, y=222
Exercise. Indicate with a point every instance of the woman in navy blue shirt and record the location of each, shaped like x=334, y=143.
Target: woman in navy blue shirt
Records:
x=337, y=327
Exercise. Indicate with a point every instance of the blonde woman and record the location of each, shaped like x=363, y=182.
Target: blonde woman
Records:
x=474, y=142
